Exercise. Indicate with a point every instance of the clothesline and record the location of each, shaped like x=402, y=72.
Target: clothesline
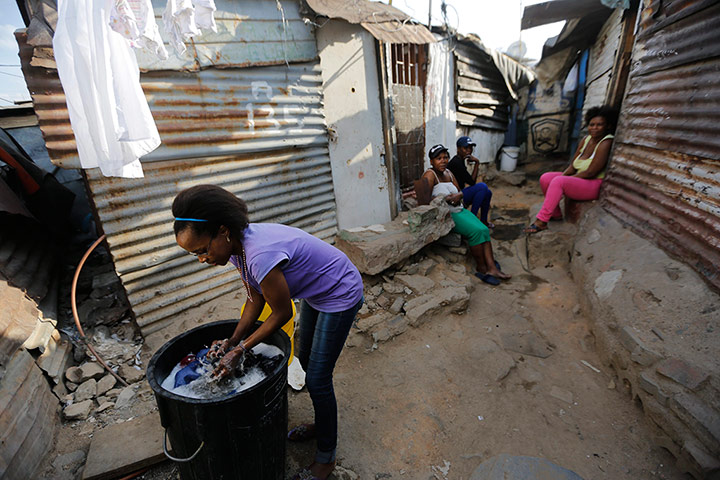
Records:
x=93, y=46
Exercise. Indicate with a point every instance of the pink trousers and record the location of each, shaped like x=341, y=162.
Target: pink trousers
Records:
x=554, y=185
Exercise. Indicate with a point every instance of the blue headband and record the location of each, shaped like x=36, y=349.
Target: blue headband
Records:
x=189, y=219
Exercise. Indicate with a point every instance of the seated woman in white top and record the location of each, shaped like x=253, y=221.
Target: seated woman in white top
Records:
x=467, y=224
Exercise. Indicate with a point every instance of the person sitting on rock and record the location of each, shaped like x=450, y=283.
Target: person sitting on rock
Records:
x=469, y=226
x=476, y=195
x=582, y=179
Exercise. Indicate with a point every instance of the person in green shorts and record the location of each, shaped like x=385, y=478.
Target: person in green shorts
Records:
x=469, y=226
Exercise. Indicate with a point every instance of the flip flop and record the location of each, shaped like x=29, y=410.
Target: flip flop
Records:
x=487, y=278
x=497, y=265
x=302, y=433
x=532, y=229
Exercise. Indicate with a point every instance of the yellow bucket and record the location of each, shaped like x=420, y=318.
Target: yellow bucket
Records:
x=288, y=328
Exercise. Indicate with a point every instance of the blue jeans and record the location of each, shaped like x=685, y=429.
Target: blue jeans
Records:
x=321, y=339
x=478, y=197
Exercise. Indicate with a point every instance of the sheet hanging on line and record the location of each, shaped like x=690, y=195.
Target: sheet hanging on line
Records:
x=108, y=111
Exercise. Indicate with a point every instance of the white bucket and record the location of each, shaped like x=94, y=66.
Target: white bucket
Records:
x=509, y=158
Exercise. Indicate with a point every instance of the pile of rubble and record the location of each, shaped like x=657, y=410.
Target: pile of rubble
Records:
x=434, y=281
x=89, y=387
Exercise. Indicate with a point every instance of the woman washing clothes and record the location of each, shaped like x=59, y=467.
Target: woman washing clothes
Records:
x=467, y=224
x=582, y=179
x=277, y=263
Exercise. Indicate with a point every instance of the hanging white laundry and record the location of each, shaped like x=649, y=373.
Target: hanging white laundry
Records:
x=108, y=111
x=179, y=21
x=135, y=20
x=204, y=14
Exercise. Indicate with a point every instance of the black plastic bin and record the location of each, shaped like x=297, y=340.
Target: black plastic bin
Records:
x=242, y=435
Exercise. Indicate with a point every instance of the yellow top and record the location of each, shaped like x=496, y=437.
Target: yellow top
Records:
x=583, y=164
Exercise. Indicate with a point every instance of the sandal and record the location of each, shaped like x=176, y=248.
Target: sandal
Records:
x=302, y=433
x=497, y=265
x=487, y=278
x=532, y=229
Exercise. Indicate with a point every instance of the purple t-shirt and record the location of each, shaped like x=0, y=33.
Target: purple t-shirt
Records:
x=315, y=271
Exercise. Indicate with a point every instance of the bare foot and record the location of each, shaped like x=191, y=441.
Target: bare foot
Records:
x=497, y=273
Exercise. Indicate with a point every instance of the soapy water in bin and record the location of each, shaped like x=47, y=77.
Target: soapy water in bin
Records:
x=251, y=370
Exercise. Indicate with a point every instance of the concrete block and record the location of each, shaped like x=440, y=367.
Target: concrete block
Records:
x=576, y=210
x=687, y=375
x=374, y=250
x=417, y=283
x=397, y=305
x=450, y=299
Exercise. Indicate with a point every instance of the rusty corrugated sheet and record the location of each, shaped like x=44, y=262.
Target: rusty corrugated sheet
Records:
x=266, y=144
x=394, y=32
x=664, y=179
x=260, y=32
x=258, y=131
x=482, y=96
x=601, y=61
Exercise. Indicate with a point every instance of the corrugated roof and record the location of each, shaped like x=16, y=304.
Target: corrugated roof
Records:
x=384, y=22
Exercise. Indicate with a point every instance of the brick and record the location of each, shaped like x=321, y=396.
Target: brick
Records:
x=651, y=386
x=702, y=420
x=687, y=375
x=645, y=356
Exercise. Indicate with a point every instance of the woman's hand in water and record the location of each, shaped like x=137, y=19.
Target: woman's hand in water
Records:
x=228, y=363
x=218, y=348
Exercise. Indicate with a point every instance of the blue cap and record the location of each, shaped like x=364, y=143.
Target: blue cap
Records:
x=465, y=142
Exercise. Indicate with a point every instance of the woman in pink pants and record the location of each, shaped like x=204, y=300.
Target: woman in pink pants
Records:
x=582, y=179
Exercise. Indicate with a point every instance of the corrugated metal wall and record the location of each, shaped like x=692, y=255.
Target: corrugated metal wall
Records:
x=601, y=61
x=28, y=417
x=258, y=131
x=482, y=97
x=664, y=179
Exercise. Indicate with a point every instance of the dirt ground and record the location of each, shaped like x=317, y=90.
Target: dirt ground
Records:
x=436, y=401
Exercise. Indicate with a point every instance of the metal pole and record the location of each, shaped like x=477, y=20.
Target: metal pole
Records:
x=429, y=14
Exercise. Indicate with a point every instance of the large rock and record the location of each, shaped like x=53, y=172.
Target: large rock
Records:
x=373, y=250
x=105, y=384
x=92, y=370
x=86, y=391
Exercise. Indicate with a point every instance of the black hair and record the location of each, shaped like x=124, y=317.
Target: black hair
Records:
x=214, y=204
x=607, y=112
